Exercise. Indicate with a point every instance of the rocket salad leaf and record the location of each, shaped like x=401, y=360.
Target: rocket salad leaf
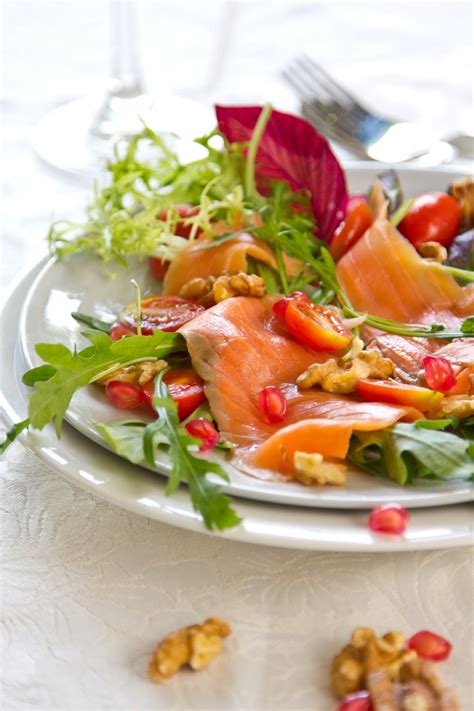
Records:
x=406, y=452
x=187, y=465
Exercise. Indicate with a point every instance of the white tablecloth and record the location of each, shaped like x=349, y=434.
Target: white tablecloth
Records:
x=88, y=589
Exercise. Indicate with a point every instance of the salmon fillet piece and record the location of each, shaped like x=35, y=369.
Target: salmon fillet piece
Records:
x=230, y=257
x=239, y=347
x=384, y=275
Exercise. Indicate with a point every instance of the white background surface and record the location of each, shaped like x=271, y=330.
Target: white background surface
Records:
x=87, y=588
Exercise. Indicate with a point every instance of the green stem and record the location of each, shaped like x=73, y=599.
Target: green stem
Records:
x=258, y=131
x=463, y=274
x=139, y=306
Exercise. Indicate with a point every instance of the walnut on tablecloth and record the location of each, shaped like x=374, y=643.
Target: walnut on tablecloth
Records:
x=195, y=645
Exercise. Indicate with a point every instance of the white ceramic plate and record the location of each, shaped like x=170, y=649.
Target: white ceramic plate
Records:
x=130, y=487
x=82, y=283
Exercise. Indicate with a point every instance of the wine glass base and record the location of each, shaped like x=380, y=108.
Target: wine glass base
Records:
x=67, y=139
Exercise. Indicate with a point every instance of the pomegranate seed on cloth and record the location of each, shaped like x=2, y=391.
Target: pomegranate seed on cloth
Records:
x=429, y=645
x=389, y=518
x=359, y=701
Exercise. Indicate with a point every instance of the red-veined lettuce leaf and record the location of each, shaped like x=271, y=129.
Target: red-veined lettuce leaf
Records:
x=293, y=151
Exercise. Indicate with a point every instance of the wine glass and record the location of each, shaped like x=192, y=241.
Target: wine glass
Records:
x=78, y=137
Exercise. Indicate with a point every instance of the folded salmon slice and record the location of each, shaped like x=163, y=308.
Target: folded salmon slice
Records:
x=230, y=257
x=239, y=347
x=384, y=275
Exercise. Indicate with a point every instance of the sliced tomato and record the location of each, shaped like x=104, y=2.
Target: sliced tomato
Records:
x=358, y=220
x=316, y=326
x=433, y=217
x=279, y=307
x=398, y=393
x=162, y=313
x=185, y=387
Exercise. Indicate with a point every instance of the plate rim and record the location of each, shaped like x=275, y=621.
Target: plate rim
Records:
x=256, y=513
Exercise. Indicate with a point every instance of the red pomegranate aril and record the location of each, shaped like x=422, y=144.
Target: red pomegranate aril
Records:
x=429, y=645
x=125, y=396
x=389, y=518
x=118, y=331
x=272, y=404
x=439, y=373
x=204, y=430
x=359, y=701
x=279, y=307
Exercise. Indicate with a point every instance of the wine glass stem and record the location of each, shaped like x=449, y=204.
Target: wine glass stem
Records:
x=126, y=75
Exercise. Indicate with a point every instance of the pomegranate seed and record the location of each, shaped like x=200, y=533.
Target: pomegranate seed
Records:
x=118, y=331
x=279, y=307
x=204, y=430
x=439, y=373
x=359, y=701
x=272, y=404
x=125, y=396
x=389, y=518
x=429, y=645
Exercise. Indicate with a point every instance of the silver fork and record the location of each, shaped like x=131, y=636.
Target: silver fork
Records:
x=339, y=115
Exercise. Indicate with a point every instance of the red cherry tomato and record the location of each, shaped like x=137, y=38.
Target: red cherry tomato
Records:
x=119, y=330
x=434, y=217
x=204, y=430
x=316, y=326
x=125, y=396
x=185, y=387
x=358, y=220
x=359, y=701
x=429, y=645
x=162, y=313
x=398, y=393
x=439, y=373
x=158, y=267
x=279, y=307
x=389, y=518
x=272, y=404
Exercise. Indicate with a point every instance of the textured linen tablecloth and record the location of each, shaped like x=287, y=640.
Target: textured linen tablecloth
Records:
x=87, y=588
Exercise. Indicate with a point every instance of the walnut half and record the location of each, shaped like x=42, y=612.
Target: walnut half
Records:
x=341, y=377
x=196, y=645
x=312, y=469
x=211, y=290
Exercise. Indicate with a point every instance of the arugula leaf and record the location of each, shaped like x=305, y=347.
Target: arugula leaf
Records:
x=438, y=424
x=187, y=466
x=468, y=325
x=406, y=452
x=95, y=323
x=51, y=397
x=35, y=375
x=13, y=433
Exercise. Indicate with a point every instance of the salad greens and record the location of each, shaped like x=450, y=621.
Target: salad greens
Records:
x=410, y=451
x=187, y=465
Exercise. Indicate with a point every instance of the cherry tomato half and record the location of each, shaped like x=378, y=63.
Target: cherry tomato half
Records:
x=162, y=313
x=279, y=307
x=434, y=217
x=185, y=387
x=125, y=396
x=316, y=326
x=358, y=220
x=398, y=393
x=119, y=330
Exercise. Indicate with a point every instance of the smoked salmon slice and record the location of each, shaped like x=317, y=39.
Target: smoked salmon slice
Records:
x=230, y=257
x=239, y=347
x=384, y=275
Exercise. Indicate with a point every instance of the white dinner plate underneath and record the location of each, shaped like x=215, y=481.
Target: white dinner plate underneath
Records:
x=109, y=477
x=82, y=283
